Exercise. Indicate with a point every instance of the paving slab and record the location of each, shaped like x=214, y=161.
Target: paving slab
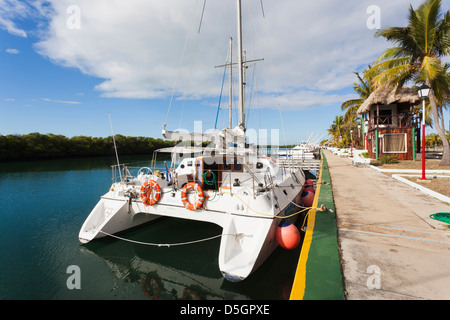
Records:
x=390, y=247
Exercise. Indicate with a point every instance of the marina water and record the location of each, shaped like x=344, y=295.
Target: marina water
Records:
x=44, y=204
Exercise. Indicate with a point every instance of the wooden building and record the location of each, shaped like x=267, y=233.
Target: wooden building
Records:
x=389, y=125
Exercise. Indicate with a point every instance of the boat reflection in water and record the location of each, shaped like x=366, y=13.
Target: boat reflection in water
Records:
x=187, y=272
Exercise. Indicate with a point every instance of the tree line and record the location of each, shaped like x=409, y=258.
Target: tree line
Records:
x=44, y=146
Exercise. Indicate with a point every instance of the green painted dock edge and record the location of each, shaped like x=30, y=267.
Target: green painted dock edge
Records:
x=319, y=272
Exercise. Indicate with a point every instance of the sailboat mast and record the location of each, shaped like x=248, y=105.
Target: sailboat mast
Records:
x=231, y=83
x=240, y=67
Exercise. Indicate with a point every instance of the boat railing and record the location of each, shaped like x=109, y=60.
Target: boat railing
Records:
x=121, y=172
x=254, y=179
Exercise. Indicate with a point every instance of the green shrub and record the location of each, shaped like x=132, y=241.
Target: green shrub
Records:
x=365, y=154
x=388, y=159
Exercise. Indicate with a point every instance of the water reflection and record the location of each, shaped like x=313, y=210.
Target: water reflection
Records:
x=186, y=272
x=181, y=272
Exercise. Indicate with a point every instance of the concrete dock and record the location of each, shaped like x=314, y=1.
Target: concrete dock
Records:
x=389, y=246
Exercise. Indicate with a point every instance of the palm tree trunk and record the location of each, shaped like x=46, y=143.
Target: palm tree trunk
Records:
x=446, y=154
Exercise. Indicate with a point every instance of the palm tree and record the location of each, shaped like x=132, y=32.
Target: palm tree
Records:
x=335, y=129
x=364, y=89
x=418, y=109
x=433, y=140
x=417, y=57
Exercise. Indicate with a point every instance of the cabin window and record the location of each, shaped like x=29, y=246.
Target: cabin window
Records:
x=227, y=166
x=394, y=143
x=385, y=117
x=235, y=165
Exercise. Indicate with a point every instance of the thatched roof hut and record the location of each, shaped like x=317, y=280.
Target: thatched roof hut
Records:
x=387, y=95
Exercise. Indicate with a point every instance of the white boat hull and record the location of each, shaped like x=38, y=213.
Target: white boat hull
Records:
x=248, y=222
x=111, y=216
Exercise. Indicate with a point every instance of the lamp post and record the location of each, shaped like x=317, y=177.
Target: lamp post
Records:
x=359, y=135
x=366, y=135
x=424, y=91
x=351, y=142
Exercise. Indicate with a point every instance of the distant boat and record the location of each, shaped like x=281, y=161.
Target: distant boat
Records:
x=248, y=195
x=302, y=151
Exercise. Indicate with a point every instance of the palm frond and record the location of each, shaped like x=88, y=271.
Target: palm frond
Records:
x=425, y=24
x=391, y=53
x=440, y=85
x=430, y=68
x=350, y=115
x=362, y=90
x=378, y=69
x=402, y=37
x=443, y=36
x=351, y=103
x=395, y=76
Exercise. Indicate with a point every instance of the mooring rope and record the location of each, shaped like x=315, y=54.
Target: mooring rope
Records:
x=322, y=208
x=237, y=235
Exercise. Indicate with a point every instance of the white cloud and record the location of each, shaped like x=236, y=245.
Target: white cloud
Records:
x=310, y=48
x=60, y=101
x=11, y=10
x=12, y=51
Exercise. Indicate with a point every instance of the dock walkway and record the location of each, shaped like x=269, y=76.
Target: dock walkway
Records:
x=319, y=272
x=390, y=247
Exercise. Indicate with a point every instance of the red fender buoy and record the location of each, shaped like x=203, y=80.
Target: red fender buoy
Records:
x=308, y=186
x=287, y=235
x=307, y=198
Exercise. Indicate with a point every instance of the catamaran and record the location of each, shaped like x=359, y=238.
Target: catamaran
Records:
x=229, y=184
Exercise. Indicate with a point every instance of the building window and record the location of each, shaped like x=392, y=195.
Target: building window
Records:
x=394, y=143
x=385, y=117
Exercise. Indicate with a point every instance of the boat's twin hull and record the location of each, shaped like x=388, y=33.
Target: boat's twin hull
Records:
x=248, y=222
x=111, y=216
x=246, y=240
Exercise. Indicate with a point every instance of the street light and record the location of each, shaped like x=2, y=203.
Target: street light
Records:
x=359, y=135
x=351, y=142
x=424, y=91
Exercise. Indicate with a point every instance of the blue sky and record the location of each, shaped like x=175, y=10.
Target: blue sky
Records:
x=64, y=76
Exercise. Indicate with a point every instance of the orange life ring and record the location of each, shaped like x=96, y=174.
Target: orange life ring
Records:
x=152, y=287
x=146, y=192
x=186, y=203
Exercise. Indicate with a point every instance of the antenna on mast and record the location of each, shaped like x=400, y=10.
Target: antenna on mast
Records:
x=240, y=68
x=231, y=82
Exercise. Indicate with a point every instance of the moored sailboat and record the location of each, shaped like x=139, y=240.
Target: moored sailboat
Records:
x=228, y=184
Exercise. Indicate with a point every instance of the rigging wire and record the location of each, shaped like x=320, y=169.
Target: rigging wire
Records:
x=181, y=64
x=269, y=48
x=220, y=97
x=201, y=19
x=189, y=78
x=262, y=8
